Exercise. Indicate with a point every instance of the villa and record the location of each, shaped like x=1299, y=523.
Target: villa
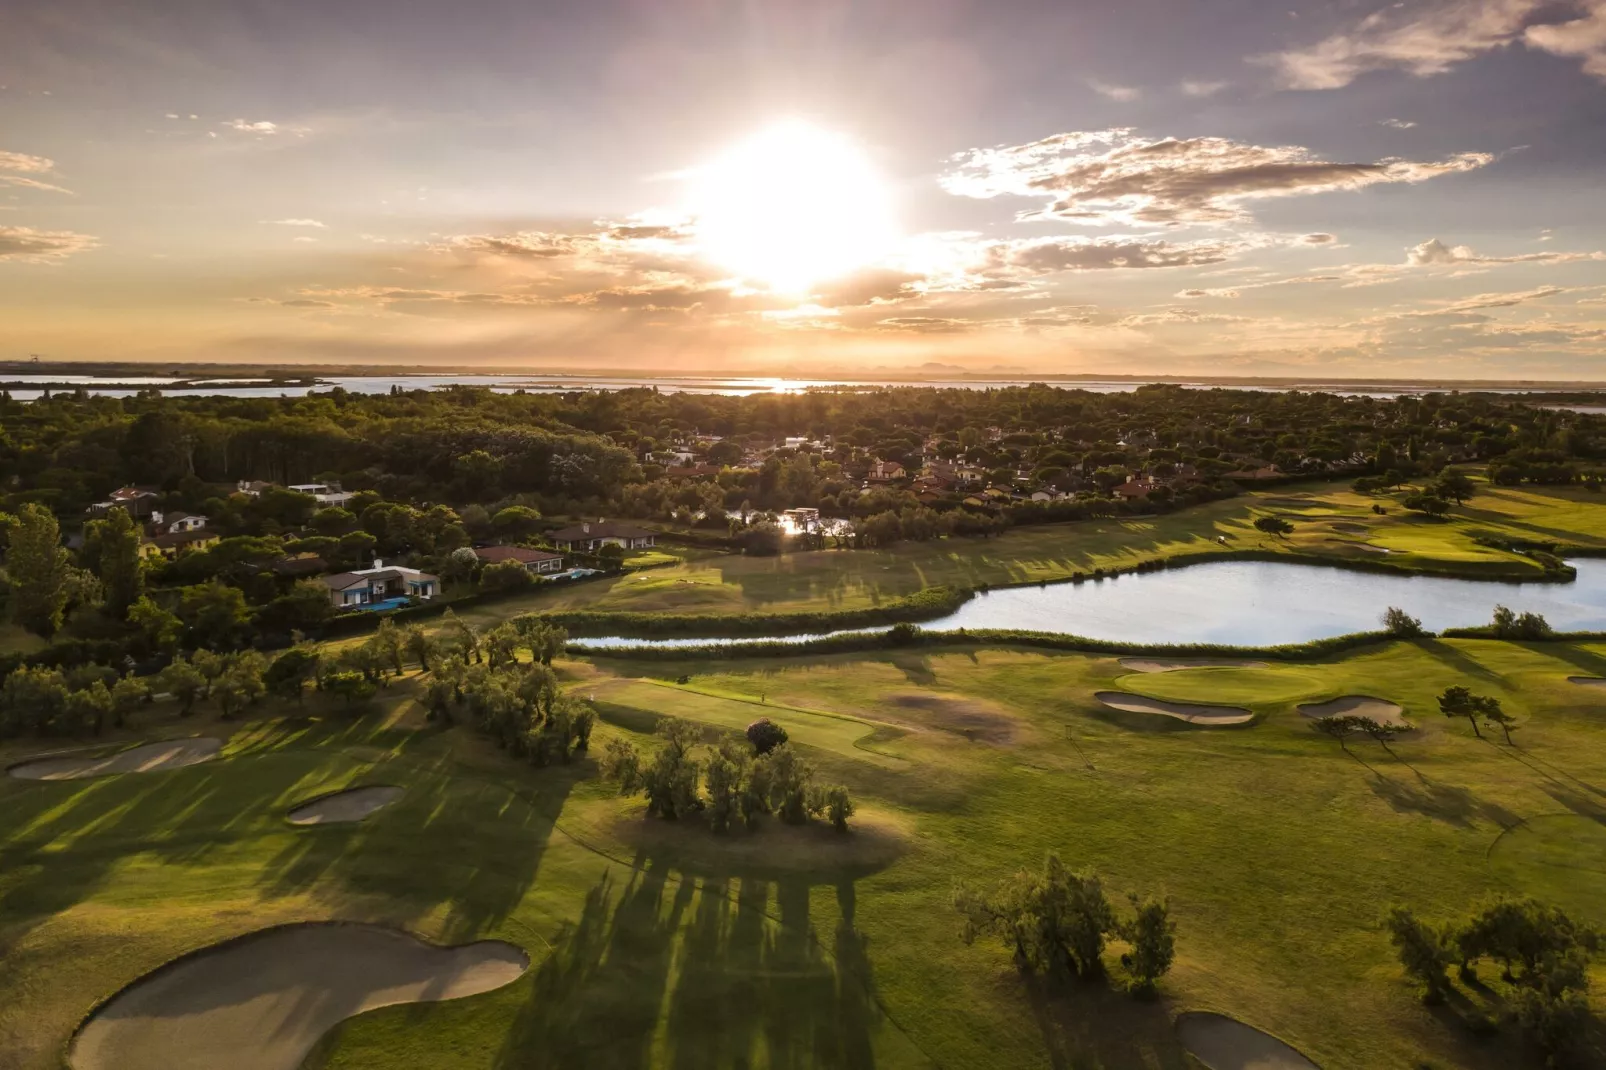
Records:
x=588, y=537
x=537, y=561
x=363, y=587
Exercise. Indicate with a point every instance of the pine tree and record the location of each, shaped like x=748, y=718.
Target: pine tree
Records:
x=37, y=565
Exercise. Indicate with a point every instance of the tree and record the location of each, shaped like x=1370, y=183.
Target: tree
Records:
x=670, y=781
x=1490, y=710
x=789, y=780
x=241, y=683
x=1458, y=701
x=1339, y=726
x=305, y=607
x=545, y=639
x=1384, y=732
x=420, y=646
x=1508, y=624
x=390, y=643
x=1457, y=486
x=128, y=694
x=37, y=565
x=210, y=665
x=726, y=770
x=351, y=686
x=505, y=576
x=1273, y=525
x=158, y=629
x=516, y=522
x=1425, y=952
x=32, y=699
x=460, y=564
x=765, y=735
x=1400, y=624
x=837, y=805
x=87, y=709
x=1152, y=934
x=1429, y=504
x=288, y=675
x=121, y=575
x=1055, y=921
x=183, y=681
x=621, y=763
x=215, y=613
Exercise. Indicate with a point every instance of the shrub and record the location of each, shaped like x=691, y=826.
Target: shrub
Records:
x=1424, y=952
x=1400, y=624
x=765, y=735
x=505, y=576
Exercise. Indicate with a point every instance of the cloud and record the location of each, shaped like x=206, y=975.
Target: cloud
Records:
x=1124, y=94
x=307, y=302
x=1202, y=89
x=1583, y=37
x=293, y=223
x=42, y=246
x=1447, y=33
x=1433, y=251
x=1173, y=316
x=1041, y=256
x=23, y=163
x=533, y=244
x=1398, y=124
x=1104, y=177
x=262, y=126
x=1495, y=300
x=20, y=164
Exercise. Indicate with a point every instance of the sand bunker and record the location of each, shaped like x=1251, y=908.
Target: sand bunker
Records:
x=353, y=804
x=1173, y=664
x=1587, y=681
x=1223, y=1043
x=1380, y=710
x=975, y=720
x=262, y=1002
x=1182, y=711
x=147, y=758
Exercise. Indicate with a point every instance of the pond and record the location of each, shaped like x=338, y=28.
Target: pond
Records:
x=1253, y=603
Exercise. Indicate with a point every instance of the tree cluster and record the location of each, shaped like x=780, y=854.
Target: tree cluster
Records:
x=1544, y=957
x=727, y=782
x=1056, y=921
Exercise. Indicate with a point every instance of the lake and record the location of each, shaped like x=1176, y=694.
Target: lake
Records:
x=1252, y=603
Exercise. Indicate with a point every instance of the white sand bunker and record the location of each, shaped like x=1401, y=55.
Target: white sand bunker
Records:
x=1587, y=681
x=1376, y=709
x=147, y=758
x=1182, y=711
x=262, y=1002
x=1173, y=664
x=1223, y=1043
x=353, y=804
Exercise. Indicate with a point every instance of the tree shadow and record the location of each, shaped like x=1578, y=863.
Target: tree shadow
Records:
x=696, y=973
x=1457, y=806
x=1457, y=660
x=1088, y=1024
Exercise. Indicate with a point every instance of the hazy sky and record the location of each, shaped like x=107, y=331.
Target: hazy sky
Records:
x=1240, y=186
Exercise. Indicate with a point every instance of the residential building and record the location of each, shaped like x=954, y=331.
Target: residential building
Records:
x=534, y=560
x=351, y=590
x=175, y=523
x=173, y=543
x=326, y=493
x=138, y=502
x=885, y=472
x=586, y=537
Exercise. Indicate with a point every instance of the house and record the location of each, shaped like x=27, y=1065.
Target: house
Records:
x=326, y=493
x=885, y=472
x=363, y=587
x=173, y=543
x=586, y=537
x=1133, y=489
x=1269, y=471
x=176, y=523
x=253, y=487
x=533, y=560
x=299, y=567
x=136, y=501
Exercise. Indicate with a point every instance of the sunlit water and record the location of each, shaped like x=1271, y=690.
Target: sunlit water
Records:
x=1252, y=603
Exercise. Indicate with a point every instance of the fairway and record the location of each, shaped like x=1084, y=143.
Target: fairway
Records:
x=966, y=763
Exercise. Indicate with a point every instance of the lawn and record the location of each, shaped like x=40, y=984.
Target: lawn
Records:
x=1330, y=523
x=662, y=945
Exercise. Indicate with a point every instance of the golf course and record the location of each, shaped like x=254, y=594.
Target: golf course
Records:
x=500, y=915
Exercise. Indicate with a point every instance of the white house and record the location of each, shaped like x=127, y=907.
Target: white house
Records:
x=351, y=590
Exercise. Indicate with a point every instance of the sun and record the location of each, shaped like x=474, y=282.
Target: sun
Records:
x=790, y=207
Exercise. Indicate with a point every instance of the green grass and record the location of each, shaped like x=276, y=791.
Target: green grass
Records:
x=831, y=580
x=662, y=945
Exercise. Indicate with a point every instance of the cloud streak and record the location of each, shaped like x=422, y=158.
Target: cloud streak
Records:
x=27, y=245
x=1106, y=177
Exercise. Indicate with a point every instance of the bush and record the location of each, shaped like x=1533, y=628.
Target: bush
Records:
x=505, y=576
x=765, y=735
x=1400, y=624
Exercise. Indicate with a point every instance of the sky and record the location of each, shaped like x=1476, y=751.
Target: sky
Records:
x=1338, y=189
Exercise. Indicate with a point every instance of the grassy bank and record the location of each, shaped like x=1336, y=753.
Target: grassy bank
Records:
x=661, y=945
